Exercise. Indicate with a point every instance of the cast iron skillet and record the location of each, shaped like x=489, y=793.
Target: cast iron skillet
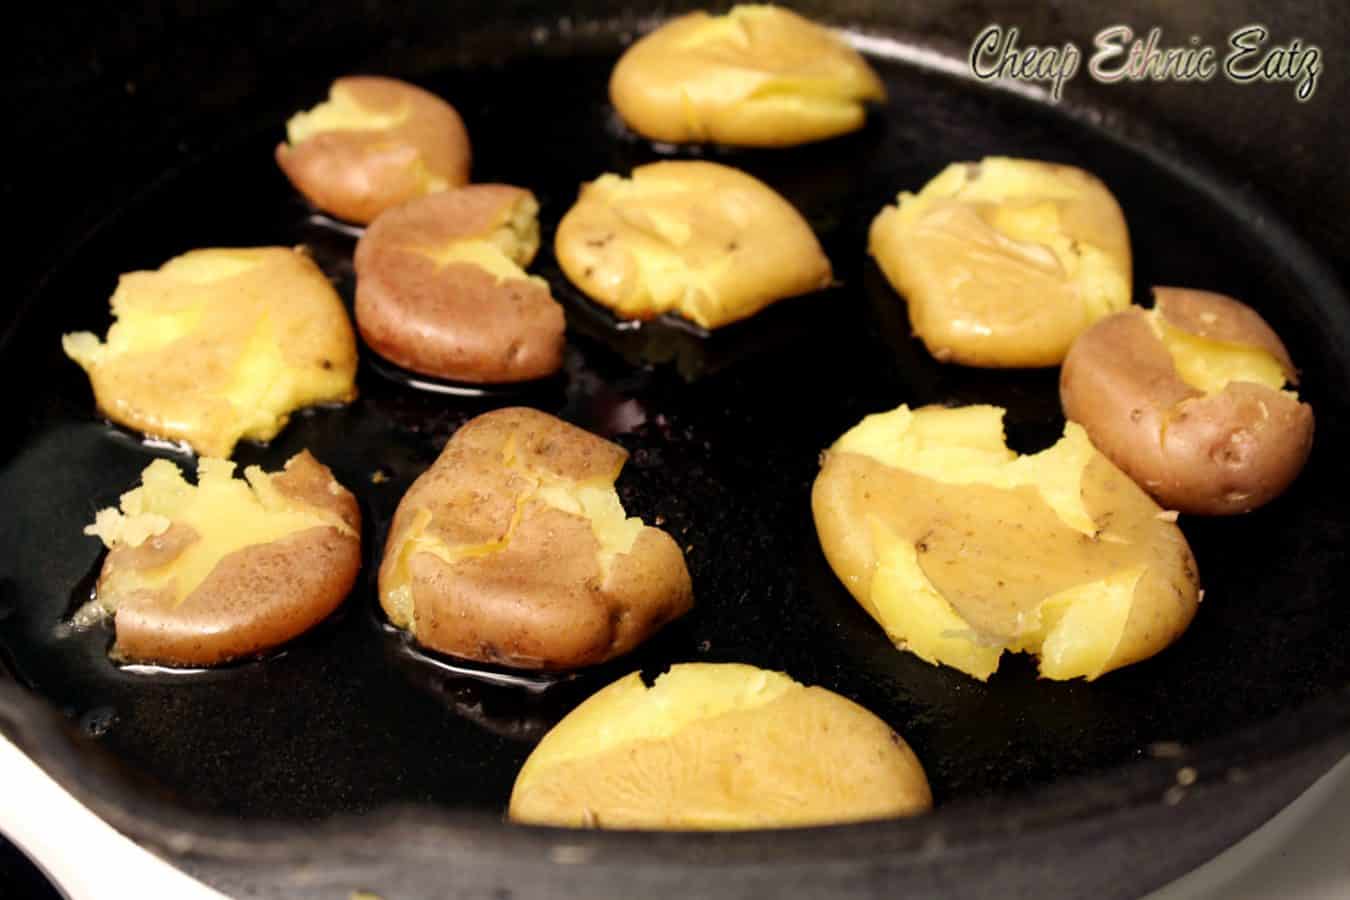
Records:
x=349, y=761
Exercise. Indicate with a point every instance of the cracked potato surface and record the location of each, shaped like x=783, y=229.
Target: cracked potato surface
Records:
x=717, y=747
x=962, y=550
x=514, y=548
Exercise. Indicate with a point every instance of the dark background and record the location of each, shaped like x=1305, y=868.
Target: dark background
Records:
x=102, y=100
x=19, y=878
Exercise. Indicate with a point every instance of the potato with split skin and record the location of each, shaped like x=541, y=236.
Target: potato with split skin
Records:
x=1005, y=261
x=441, y=288
x=961, y=549
x=220, y=345
x=513, y=548
x=1189, y=399
x=718, y=747
x=701, y=240
x=373, y=144
x=227, y=568
x=758, y=76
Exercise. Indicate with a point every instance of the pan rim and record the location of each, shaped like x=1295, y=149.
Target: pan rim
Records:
x=1321, y=725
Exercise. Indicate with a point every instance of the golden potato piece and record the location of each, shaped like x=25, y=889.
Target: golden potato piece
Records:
x=219, y=345
x=373, y=144
x=704, y=241
x=1187, y=398
x=201, y=574
x=961, y=549
x=514, y=548
x=440, y=287
x=718, y=747
x=758, y=76
x=1005, y=261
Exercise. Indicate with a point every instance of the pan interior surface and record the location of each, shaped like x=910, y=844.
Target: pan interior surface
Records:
x=724, y=434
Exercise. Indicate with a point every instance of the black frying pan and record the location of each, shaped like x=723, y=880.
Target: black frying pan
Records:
x=350, y=761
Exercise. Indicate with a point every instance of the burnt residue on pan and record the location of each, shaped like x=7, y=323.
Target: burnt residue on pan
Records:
x=724, y=434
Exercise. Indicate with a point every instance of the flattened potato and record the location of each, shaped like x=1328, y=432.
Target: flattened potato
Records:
x=961, y=549
x=227, y=568
x=513, y=548
x=758, y=76
x=704, y=241
x=440, y=287
x=1005, y=261
x=373, y=144
x=718, y=747
x=219, y=345
x=1188, y=399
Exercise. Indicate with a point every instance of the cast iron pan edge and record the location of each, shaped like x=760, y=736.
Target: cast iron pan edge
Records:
x=1092, y=835
x=1008, y=846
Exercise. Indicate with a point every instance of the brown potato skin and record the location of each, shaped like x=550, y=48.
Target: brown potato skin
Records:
x=254, y=599
x=356, y=175
x=455, y=321
x=541, y=602
x=1222, y=454
x=996, y=525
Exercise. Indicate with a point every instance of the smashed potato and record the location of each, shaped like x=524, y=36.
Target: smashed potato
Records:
x=718, y=747
x=758, y=76
x=373, y=144
x=1005, y=261
x=441, y=289
x=514, y=548
x=961, y=549
x=220, y=345
x=704, y=241
x=226, y=568
x=1188, y=398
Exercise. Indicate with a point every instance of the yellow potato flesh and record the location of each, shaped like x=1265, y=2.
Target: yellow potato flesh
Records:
x=225, y=513
x=1209, y=366
x=961, y=549
x=504, y=250
x=485, y=255
x=717, y=747
x=342, y=112
x=1005, y=262
x=598, y=502
x=701, y=240
x=756, y=76
x=220, y=345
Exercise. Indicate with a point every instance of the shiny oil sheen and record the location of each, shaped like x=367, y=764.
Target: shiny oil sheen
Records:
x=724, y=433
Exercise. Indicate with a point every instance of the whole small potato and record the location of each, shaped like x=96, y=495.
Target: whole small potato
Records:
x=758, y=76
x=220, y=345
x=1005, y=261
x=1188, y=399
x=201, y=574
x=441, y=288
x=718, y=747
x=513, y=548
x=375, y=143
x=702, y=240
x=962, y=550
